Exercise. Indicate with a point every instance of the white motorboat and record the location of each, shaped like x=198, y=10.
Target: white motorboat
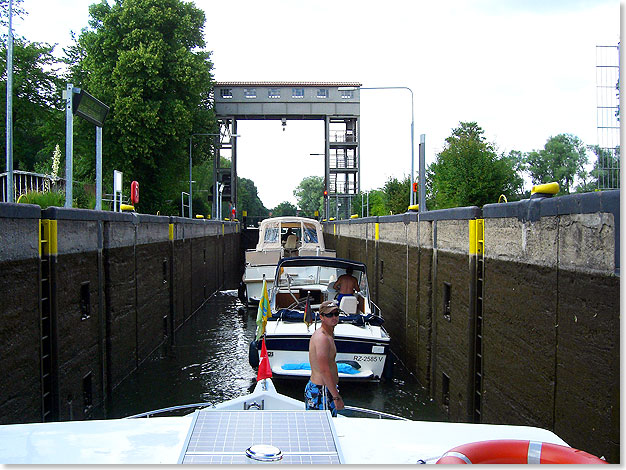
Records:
x=280, y=237
x=362, y=342
x=266, y=426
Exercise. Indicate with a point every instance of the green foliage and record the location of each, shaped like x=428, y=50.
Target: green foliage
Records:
x=38, y=123
x=606, y=170
x=44, y=199
x=18, y=11
x=376, y=203
x=84, y=197
x=284, y=208
x=310, y=196
x=396, y=195
x=468, y=171
x=143, y=59
x=562, y=160
x=248, y=199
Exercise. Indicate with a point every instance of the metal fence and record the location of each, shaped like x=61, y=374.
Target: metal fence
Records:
x=608, y=125
x=26, y=181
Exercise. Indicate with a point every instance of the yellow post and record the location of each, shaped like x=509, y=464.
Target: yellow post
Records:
x=476, y=236
x=376, y=232
x=171, y=231
x=48, y=238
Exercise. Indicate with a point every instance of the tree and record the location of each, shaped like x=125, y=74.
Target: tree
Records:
x=144, y=59
x=396, y=195
x=284, y=208
x=606, y=170
x=468, y=171
x=562, y=160
x=310, y=195
x=37, y=107
x=377, y=203
x=249, y=201
x=18, y=11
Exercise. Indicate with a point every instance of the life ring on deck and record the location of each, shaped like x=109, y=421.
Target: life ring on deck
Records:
x=509, y=451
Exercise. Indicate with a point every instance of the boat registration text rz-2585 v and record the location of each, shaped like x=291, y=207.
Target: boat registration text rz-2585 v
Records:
x=369, y=358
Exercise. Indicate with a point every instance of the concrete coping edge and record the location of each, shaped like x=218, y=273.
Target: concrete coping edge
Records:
x=10, y=210
x=535, y=208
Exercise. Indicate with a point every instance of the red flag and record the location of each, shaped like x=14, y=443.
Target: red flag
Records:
x=265, y=371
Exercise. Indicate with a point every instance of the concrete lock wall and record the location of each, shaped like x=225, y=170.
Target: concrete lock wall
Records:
x=521, y=327
x=119, y=286
x=20, y=400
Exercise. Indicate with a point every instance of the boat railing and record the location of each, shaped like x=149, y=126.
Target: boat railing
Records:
x=149, y=414
x=254, y=405
x=375, y=309
x=374, y=413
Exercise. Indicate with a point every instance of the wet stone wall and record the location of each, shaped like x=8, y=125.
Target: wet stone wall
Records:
x=20, y=399
x=525, y=332
x=120, y=284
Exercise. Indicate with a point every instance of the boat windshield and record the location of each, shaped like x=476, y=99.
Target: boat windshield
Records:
x=310, y=275
x=272, y=233
x=310, y=233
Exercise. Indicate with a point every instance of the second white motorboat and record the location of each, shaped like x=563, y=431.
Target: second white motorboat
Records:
x=280, y=237
x=304, y=283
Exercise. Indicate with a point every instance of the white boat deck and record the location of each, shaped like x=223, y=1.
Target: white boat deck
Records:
x=169, y=440
x=162, y=440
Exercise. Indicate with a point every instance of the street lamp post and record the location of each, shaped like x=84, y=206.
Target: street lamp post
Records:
x=421, y=164
x=10, y=196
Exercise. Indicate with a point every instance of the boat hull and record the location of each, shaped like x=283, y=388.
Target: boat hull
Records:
x=253, y=279
x=363, y=359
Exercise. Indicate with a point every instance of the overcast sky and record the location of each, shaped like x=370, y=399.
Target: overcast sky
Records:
x=523, y=70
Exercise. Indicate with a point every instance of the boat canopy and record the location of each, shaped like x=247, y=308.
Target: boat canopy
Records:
x=309, y=232
x=340, y=263
x=312, y=270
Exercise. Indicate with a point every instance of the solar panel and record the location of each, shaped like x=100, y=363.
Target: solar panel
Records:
x=223, y=437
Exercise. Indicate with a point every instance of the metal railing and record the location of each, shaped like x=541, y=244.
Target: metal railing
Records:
x=350, y=409
x=171, y=409
x=373, y=413
x=342, y=136
x=183, y=205
x=27, y=181
x=342, y=161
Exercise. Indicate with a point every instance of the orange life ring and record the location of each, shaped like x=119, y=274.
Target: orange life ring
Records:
x=509, y=451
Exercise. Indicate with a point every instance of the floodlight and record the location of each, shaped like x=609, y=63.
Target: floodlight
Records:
x=89, y=107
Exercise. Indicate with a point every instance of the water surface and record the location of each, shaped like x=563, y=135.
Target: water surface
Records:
x=209, y=363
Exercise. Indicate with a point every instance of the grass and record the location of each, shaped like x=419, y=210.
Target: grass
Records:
x=43, y=199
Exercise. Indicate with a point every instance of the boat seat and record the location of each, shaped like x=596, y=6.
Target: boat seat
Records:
x=349, y=304
x=291, y=243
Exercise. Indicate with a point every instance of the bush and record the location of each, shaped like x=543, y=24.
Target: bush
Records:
x=43, y=199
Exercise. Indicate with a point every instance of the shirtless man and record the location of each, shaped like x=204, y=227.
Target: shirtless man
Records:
x=346, y=285
x=321, y=392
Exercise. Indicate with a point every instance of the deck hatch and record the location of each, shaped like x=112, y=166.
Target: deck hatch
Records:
x=222, y=437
